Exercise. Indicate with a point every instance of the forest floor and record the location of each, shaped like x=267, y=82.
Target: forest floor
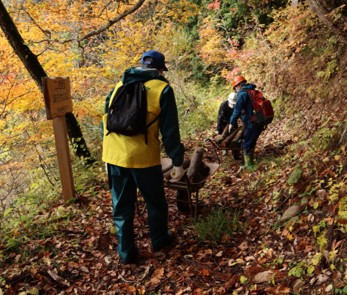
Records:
x=255, y=258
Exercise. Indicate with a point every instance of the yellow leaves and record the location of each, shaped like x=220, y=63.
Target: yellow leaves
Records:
x=177, y=11
x=33, y=291
x=337, y=157
x=331, y=255
x=316, y=259
x=243, y=280
x=287, y=234
x=343, y=208
x=211, y=48
x=322, y=240
x=334, y=191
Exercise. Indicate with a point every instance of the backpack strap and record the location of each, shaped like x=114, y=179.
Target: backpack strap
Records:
x=118, y=85
x=250, y=97
x=157, y=84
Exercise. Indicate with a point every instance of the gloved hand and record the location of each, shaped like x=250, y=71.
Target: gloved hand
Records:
x=176, y=173
x=231, y=128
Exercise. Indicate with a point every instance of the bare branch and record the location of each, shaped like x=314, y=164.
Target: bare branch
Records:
x=110, y=22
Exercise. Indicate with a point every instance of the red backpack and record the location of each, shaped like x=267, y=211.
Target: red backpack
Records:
x=263, y=112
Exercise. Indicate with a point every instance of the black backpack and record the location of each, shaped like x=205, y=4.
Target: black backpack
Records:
x=127, y=112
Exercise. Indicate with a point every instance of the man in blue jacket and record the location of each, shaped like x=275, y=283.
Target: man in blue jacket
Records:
x=135, y=164
x=244, y=110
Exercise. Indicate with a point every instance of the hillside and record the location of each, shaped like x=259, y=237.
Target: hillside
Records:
x=261, y=255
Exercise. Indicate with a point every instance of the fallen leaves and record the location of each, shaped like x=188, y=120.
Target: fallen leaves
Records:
x=262, y=277
x=157, y=276
x=54, y=275
x=257, y=257
x=291, y=212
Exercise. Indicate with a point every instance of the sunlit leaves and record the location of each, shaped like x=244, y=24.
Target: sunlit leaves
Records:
x=211, y=44
x=298, y=270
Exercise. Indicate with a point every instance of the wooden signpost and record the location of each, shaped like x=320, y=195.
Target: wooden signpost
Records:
x=58, y=102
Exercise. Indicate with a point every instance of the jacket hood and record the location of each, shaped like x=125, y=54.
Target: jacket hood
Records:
x=249, y=87
x=140, y=74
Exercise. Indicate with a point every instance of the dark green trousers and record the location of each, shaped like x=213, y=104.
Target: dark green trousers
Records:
x=124, y=184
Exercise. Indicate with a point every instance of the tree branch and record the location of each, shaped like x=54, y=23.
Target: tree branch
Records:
x=322, y=8
x=110, y=22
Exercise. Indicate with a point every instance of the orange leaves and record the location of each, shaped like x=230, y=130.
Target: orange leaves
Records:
x=157, y=276
x=286, y=233
x=205, y=272
x=215, y=5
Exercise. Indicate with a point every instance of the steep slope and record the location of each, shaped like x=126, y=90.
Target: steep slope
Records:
x=285, y=238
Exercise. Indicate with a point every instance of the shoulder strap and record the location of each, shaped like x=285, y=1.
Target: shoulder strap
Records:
x=250, y=97
x=154, y=83
x=118, y=86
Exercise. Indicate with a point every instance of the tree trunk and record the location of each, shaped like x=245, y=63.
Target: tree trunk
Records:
x=77, y=141
x=327, y=11
x=37, y=72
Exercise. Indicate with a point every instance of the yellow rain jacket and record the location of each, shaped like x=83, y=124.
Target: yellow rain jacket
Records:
x=132, y=151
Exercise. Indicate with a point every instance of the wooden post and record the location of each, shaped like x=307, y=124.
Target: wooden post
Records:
x=63, y=154
x=58, y=102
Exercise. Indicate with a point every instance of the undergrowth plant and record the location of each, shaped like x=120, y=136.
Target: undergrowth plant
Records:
x=39, y=212
x=216, y=224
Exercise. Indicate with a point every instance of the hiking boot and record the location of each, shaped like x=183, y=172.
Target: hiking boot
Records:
x=133, y=258
x=168, y=243
x=248, y=160
x=248, y=164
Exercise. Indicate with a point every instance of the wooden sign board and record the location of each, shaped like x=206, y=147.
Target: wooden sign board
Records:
x=57, y=96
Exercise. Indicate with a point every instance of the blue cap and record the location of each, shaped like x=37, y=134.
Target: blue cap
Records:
x=154, y=59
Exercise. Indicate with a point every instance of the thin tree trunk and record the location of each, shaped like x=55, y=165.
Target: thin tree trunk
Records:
x=37, y=72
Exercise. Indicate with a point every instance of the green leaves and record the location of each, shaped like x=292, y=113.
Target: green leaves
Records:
x=298, y=270
x=295, y=176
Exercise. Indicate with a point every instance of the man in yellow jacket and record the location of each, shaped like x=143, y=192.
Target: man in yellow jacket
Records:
x=134, y=163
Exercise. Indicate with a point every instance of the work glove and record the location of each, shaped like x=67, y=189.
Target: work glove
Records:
x=231, y=128
x=106, y=168
x=176, y=173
